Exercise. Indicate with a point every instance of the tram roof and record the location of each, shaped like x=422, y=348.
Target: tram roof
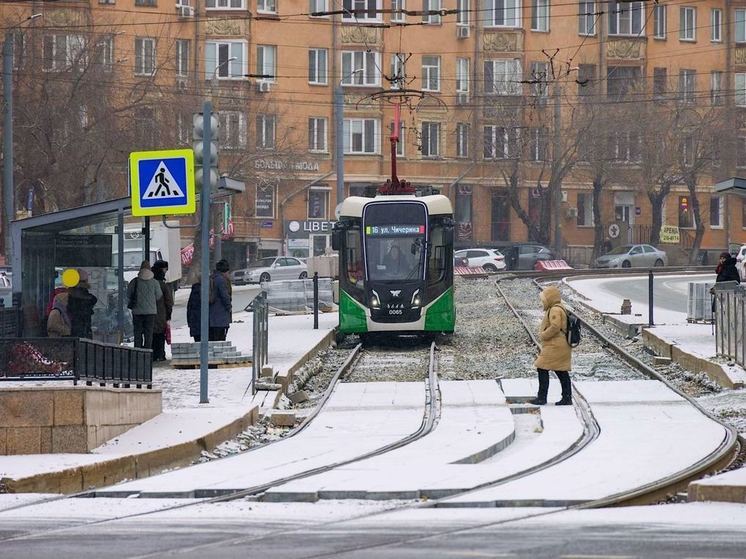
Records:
x=437, y=204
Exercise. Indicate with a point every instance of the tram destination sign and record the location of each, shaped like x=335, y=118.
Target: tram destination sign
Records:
x=394, y=230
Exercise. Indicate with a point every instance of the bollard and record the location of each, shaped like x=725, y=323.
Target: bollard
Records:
x=626, y=306
x=315, y=300
x=650, y=298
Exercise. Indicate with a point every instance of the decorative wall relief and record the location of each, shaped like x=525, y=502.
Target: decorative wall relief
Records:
x=62, y=17
x=500, y=42
x=223, y=27
x=624, y=48
x=360, y=35
x=739, y=55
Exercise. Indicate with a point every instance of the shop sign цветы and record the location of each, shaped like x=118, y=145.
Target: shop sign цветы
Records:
x=302, y=229
x=278, y=165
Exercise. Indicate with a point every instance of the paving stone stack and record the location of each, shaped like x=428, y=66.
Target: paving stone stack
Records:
x=218, y=353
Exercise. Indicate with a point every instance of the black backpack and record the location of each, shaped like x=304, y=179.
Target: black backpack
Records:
x=572, y=330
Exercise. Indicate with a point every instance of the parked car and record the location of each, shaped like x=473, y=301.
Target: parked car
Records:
x=524, y=256
x=272, y=268
x=632, y=256
x=489, y=259
x=740, y=257
x=6, y=295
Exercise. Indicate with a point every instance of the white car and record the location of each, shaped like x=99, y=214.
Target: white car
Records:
x=490, y=260
x=740, y=257
x=272, y=268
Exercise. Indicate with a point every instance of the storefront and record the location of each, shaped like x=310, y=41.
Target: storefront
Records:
x=310, y=237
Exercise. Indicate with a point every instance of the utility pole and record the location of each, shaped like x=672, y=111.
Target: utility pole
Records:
x=557, y=194
x=204, y=200
x=8, y=184
x=339, y=142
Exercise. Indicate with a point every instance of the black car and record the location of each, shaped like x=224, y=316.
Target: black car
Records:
x=524, y=256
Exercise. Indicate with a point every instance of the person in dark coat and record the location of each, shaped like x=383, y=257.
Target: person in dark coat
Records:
x=80, y=303
x=726, y=271
x=164, y=306
x=193, y=311
x=220, y=302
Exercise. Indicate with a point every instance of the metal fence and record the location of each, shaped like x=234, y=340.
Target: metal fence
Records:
x=75, y=359
x=730, y=317
x=260, y=337
x=10, y=322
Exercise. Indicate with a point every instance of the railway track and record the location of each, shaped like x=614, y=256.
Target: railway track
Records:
x=717, y=460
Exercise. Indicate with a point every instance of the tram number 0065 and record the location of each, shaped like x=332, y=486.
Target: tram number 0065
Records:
x=395, y=311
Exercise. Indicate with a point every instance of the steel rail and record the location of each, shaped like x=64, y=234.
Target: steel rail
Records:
x=720, y=458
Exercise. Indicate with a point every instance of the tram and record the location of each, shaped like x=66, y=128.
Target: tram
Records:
x=395, y=264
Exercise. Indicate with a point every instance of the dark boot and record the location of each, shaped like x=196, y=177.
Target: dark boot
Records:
x=541, y=397
x=564, y=378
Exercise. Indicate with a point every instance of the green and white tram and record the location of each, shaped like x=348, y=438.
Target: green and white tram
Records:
x=395, y=263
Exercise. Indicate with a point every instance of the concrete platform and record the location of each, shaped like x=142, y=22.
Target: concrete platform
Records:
x=647, y=433
x=728, y=487
x=357, y=419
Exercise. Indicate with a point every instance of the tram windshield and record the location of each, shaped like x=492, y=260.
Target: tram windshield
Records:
x=395, y=236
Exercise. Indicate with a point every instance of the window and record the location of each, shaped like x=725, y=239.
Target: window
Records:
x=182, y=58
x=500, y=142
x=104, y=53
x=397, y=11
x=361, y=10
x=184, y=129
x=317, y=7
x=144, y=56
x=687, y=23
x=659, y=21
x=360, y=68
x=741, y=152
x=225, y=4
x=688, y=151
x=462, y=75
x=624, y=147
x=218, y=63
x=361, y=135
x=539, y=74
x=626, y=18
x=740, y=93
x=317, y=134
x=400, y=143
x=503, y=13
x=660, y=82
x=145, y=132
x=686, y=217
x=462, y=139
x=145, y=3
x=462, y=12
x=586, y=18
x=538, y=144
x=266, y=62
x=429, y=6
x=687, y=85
x=503, y=77
x=716, y=25
x=740, y=25
x=716, y=211
x=62, y=51
x=621, y=79
x=716, y=87
x=431, y=139
x=398, y=71
x=540, y=15
x=317, y=203
x=431, y=73
x=586, y=79
x=265, y=131
x=232, y=129
x=266, y=6
x=585, y=210
x=19, y=47
x=317, y=66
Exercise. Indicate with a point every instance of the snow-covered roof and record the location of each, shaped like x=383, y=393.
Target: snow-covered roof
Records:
x=436, y=204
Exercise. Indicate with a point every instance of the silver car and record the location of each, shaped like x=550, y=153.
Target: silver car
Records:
x=633, y=256
x=272, y=268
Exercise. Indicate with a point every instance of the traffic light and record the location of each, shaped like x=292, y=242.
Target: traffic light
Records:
x=206, y=153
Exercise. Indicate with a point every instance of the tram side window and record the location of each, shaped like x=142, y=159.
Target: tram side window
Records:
x=436, y=267
x=354, y=256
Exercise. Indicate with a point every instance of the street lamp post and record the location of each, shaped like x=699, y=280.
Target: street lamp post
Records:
x=8, y=184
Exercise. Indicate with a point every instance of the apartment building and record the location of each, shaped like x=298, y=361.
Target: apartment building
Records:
x=495, y=89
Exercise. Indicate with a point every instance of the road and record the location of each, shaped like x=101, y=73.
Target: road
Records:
x=242, y=296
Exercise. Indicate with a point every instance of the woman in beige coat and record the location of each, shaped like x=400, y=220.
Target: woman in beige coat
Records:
x=555, y=354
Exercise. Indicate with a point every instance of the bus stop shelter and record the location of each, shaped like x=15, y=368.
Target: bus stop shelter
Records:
x=88, y=238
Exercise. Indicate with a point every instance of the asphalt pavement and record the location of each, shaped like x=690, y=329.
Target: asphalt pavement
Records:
x=670, y=292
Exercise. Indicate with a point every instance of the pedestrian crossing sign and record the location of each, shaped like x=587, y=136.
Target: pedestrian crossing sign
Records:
x=162, y=182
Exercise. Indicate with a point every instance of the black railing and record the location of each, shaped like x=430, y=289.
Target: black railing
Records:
x=10, y=322
x=75, y=359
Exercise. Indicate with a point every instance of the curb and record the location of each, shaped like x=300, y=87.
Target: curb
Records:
x=137, y=466
x=689, y=361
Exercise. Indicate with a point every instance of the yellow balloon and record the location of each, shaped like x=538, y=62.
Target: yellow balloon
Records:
x=70, y=277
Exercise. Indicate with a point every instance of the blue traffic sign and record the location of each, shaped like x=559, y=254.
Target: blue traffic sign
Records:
x=162, y=182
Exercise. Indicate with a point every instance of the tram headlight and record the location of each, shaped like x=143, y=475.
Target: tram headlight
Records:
x=416, y=300
x=375, y=302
